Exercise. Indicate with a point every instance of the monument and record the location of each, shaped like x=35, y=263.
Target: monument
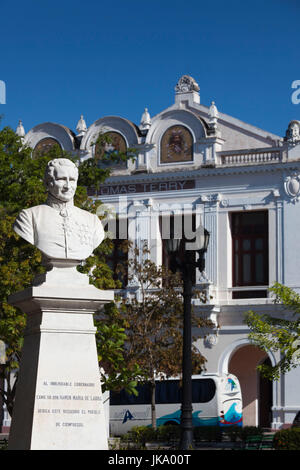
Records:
x=58, y=403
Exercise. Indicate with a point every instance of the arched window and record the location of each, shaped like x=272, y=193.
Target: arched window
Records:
x=176, y=145
x=107, y=148
x=44, y=145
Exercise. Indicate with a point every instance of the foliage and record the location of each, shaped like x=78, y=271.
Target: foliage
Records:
x=140, y=435
x=21, y=186
x=208, y=433
x=287, y=439
x=110, y=338
x=247, y=431
x=278, y=334
x=170, y=432
x=154, y=319
x=233, y=432
x=4, y=444
x=95, y=170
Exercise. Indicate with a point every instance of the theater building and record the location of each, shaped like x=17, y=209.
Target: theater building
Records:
x=242, y=184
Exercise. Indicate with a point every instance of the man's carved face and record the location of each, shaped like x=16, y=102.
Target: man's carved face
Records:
x=63, y=185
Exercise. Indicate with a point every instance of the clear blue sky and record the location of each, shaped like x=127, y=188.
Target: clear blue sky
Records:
x=60, y=59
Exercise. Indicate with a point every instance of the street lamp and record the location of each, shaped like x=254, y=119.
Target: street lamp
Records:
x=182, y=256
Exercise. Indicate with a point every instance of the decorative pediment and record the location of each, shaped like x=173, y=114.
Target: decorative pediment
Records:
x=113, y=124
x=292, y=135
x=48, y=134
x=186, y=84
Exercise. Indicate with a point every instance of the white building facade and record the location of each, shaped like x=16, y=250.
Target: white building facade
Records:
x=243, y=185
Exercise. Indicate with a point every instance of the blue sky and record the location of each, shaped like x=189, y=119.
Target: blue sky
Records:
x=60, y=59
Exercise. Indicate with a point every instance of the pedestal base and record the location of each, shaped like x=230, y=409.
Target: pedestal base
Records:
x=58, y=402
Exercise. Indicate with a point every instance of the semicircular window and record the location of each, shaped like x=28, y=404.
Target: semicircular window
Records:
x=176, y=145
x=109, y=149
x=46, y=145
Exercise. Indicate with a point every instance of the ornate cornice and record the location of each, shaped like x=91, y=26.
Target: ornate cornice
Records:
x=196, y=173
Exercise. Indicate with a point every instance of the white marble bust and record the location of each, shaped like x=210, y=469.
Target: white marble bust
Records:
x=57, y=228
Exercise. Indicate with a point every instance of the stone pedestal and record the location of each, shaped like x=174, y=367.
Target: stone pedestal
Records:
x=58, y=402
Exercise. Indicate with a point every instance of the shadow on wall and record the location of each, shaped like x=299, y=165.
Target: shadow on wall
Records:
x=256, y=391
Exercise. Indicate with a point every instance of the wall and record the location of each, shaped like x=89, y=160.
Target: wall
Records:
x=243, y=364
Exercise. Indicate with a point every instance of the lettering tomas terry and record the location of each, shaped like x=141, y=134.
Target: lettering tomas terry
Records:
x=117, y=189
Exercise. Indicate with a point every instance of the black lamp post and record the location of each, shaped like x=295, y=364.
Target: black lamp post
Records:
x=183, y=259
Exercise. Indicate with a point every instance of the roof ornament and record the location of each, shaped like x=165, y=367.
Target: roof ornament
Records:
x=187, y=91
x=81, y=126
x=292, y=135
x=186, y=84
x=213, y=115
x=145, y=120
x=20, y=131
x=213, y=111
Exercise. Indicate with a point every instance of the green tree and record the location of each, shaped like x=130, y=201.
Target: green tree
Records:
x=111, y=338
x=153, y=318
x=280, y=333
x=21, y=186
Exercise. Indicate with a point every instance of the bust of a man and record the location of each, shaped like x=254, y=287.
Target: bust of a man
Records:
x=57, y=228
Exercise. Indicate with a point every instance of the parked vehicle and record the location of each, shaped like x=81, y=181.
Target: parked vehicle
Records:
x=217, y=401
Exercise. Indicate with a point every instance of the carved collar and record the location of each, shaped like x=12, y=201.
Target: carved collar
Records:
x=64, y=208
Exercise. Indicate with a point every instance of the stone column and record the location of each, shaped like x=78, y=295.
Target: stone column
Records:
x=210, y=222
x=58, y=402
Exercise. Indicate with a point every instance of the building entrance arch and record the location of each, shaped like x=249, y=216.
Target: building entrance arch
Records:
x=241, y=358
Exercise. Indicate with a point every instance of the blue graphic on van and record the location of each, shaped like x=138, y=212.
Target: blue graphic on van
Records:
x=174, y=418
x=231, y=383
x=232, y=417
x=127, y=416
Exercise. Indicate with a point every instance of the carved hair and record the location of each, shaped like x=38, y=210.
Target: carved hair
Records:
x=52, y=164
